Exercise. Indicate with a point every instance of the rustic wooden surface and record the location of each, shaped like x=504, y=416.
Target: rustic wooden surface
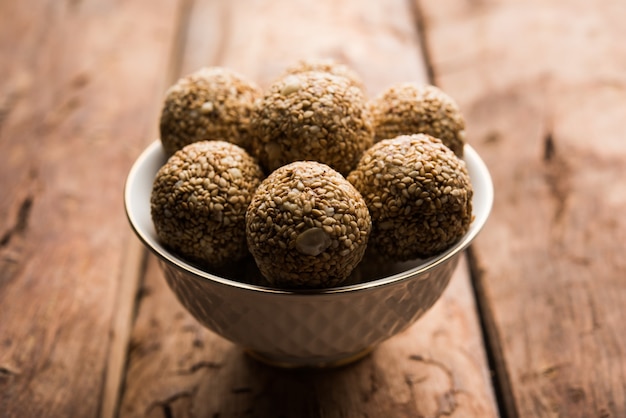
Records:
x=88, y=327
x=543, y=86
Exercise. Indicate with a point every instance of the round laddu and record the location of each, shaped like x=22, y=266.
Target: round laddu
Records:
x=213, y=103
x=327, y=65
x=199, y=201
x=418, y=193
x=311, y=116
x=307, y=226
x=410, y=108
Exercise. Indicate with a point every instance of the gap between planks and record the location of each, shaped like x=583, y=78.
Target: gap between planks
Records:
x=133, y=269
x=499, y=378
x=134, y=264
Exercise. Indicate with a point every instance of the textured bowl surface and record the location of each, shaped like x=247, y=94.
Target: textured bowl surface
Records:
x=307, y=327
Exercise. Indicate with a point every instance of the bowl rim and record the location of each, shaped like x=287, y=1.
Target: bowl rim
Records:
x=161, y=252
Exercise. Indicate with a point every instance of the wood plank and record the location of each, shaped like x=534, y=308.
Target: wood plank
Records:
x=78, y=95
x=178, y=369
x=261, y=40
x=544, y=90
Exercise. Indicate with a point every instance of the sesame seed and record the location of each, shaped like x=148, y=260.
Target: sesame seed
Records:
x=303, y=248
x=409, y=187
x=334, y=129
x=187, y=206
x=210, y=103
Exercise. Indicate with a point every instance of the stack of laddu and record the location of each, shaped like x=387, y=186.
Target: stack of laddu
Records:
x=307, y=174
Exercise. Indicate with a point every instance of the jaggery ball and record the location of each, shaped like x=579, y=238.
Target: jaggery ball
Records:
x=418, y=193
x=307, y=226
x=213, y=103
x=327, y=65
x=311, y=116
x=199, y=201
x=410, y=108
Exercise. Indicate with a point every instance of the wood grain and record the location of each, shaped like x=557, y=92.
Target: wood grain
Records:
x=78, y=98
x=178, y=369
x=544, y=90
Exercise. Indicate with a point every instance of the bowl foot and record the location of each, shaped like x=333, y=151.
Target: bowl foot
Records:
x=309, y=363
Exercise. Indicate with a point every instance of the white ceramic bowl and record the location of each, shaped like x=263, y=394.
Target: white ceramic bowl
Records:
x=304, y=327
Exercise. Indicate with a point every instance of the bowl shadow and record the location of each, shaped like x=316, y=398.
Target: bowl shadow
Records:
x=245, y=386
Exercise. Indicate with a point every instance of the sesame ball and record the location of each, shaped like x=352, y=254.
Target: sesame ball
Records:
x=307, y=226
x=311, y=116
x=211, y=104
x=418, y=193
x=410, y=108
x=326, y=65
x=199, y=200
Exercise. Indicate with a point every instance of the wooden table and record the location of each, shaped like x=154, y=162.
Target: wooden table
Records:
x=532, y=324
